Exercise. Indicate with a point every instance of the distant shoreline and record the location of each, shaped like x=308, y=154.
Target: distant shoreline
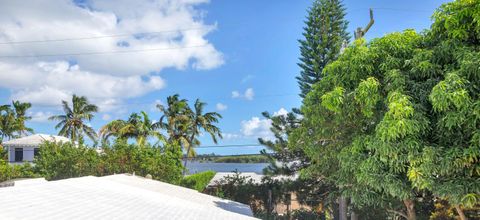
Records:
x=231, y=159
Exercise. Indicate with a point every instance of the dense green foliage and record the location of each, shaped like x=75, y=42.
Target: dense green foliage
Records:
x=198, y=181
x=3, y=153
x=12, y=120
x=398, y=118
x=73, y=124
x=65, y=160
x=8, y=172
x=163, y=163
x=324, y=34
x=245, y=190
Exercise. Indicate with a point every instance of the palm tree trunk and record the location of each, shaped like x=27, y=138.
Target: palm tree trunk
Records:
x=342, y=208
x=461, y=213
x=188, y=152
x=410, y=205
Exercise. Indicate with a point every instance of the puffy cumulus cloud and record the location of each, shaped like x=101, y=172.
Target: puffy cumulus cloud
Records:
x=221, y=107
x=145, y=36
x=248, y=94
x=256, y=128
x=281, y=111
x=50, y=82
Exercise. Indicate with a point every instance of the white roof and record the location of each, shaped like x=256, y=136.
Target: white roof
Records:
x=34, y=140
x=114, y=197
x=257, y=178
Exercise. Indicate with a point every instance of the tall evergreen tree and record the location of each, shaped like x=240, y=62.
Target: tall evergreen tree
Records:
x=324, y=34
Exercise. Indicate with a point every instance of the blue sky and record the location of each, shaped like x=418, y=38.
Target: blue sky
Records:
x=250, y=46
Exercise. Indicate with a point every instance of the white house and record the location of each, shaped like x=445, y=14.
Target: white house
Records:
x=25, y=148
x=119, y=196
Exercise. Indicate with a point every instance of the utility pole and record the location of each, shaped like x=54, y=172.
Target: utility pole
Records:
x=359, y=33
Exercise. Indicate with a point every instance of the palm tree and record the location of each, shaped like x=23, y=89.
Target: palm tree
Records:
x=201, y=121
x=12, y=120
x=7, y=129
x=72, y=123
x=138, y=126
x=175, y=119
x=21, y=117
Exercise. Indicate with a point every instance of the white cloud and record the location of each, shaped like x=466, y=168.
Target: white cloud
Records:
x=221, y=107
x=235, y=94
x=281, y=111
x=48, y=83
x=247, y=78
x=256, y=127
x=248, y=94
x=39, y=116
x=230, y=136
x=107, y=78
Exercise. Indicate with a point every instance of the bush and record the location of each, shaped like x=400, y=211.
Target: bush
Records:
x=3, y=153
x=66, y=160
x=198, y=181
x=8, y=172
x=163, y=163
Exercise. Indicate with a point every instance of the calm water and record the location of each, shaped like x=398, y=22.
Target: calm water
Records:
x=195, y=167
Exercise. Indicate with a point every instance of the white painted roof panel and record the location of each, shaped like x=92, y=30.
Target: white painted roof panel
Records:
x=34, y=140
x=113, y=197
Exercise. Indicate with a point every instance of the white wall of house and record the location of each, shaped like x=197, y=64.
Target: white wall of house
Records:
x=28, y=154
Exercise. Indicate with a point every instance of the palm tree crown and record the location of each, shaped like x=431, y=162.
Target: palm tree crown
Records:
x=138, y=126
x=199, y=122
x=12, y=120
x=174, y=119
x=73, y=123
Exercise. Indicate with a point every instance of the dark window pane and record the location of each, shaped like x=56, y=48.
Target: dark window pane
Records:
x=18, y=154
x=35, y=152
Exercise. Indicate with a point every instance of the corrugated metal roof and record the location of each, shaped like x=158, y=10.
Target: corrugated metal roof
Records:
x=114, y=197
x=34, y=140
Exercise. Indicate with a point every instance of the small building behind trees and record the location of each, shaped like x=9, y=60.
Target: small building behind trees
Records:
x=24, y=149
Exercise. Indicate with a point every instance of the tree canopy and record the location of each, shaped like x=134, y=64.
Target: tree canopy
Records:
x=324, y=34
x=399, y=115
x=73, y=124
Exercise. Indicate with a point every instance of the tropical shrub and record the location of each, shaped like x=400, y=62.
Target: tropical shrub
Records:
x=3, y=153
x=198, y=181
x=8, y=172
x=162, y=163
x=66, y=160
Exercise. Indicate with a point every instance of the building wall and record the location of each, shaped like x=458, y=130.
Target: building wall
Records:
x=28, y=154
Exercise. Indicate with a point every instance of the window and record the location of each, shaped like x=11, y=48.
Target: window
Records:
x=35, y=152
x=18, y=154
